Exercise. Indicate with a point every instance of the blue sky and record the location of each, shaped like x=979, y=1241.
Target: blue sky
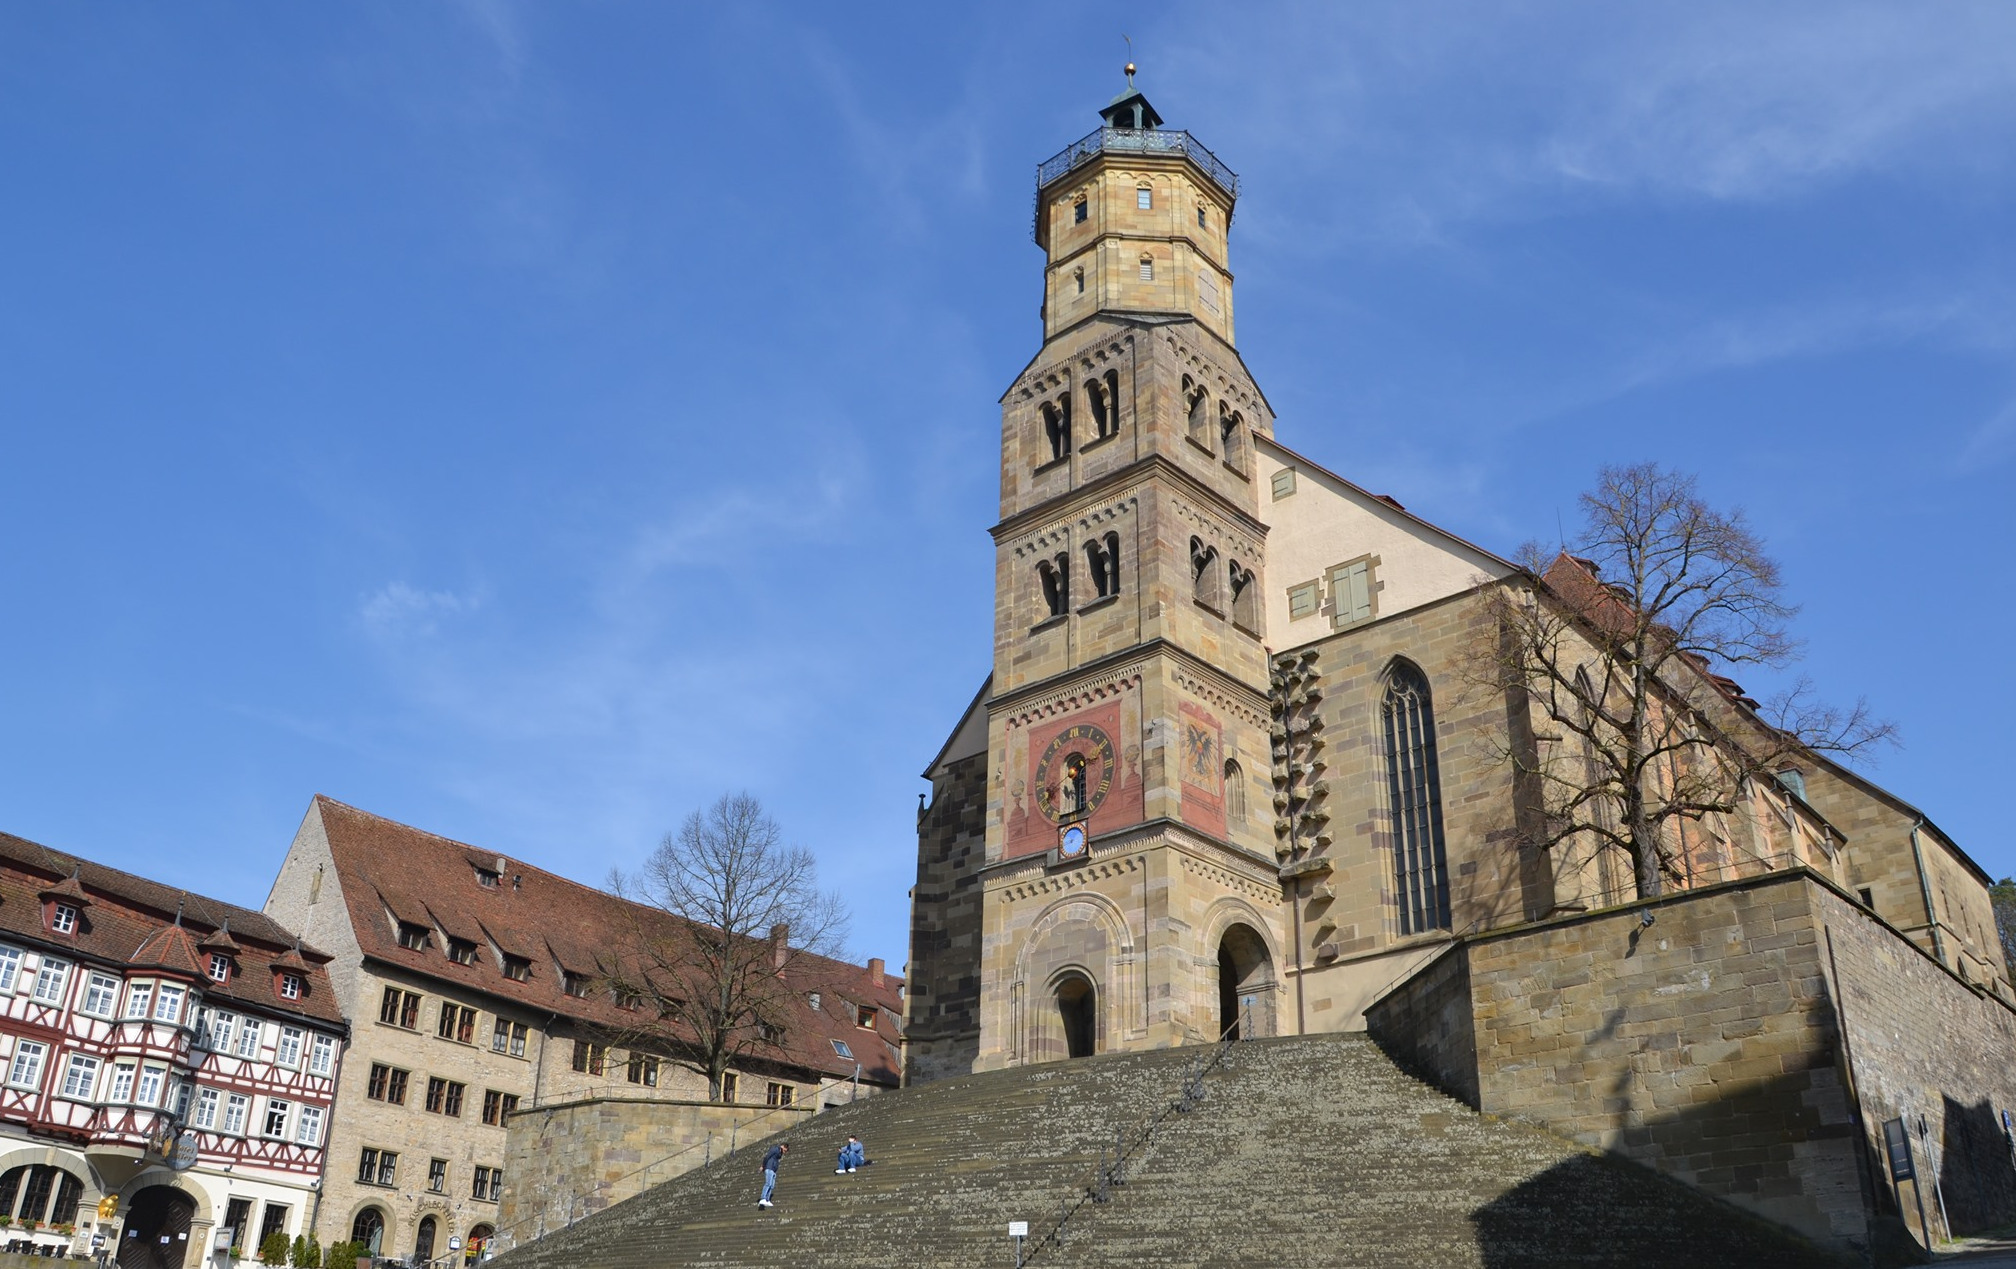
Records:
x=529, y=422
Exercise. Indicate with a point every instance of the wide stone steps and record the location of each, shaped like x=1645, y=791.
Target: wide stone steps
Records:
x=1313, y=1151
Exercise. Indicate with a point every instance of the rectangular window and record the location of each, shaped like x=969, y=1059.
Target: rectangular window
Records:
x=496, y=1106
x=444, y=1097
x=1078, y=212
x=453, y=1108
x=220, y=1031
x=64, y=919
x=729, y=1081
x=10, y=967
x=308, y=1132
x=413, y=937
x=864, y=1016
x=206, y=1108
x=643, y=1070
x=444, y=1026
x=81, y=1077
x=276, y=1118
x=517, y=968
x=288, y=1051
x=1147, y=269
x=290, y=987
x=1200, y=218
x=1351, y=590
x=1283, y=483
x=388, y=1167
x=101, y=995
x=122, y=1082
x=479, y=1186
x=840, y=1047
x=367, y=1166
x=409, y=1012
x=400, y=1009
x=573, y=984
x=1144, y=198
x=235, y=1107
x=149, y=1091
x=168, y=1003
x=1304, y=600
x=139, y=1000
x=780, y=1094
x=322, y=1057
x=184, y=1090
x=220, y=967
x=49, y=981
x=485, y=877
x=588, y=1057
x=457, y=1023
x=248, y=1039
x=387, y=1084
x=437, y=1176
x=388, y=1006
x=461, y=951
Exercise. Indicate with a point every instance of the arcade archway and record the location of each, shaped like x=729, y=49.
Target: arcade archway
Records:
x=1078, y=1015
x=1245, y=984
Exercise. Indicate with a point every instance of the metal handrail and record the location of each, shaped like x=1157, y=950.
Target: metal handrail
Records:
x=1136, y=141
x=1096, y=1186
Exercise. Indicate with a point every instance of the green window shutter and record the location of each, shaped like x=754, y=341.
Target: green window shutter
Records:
x=1351, y=586
x=1302, y=600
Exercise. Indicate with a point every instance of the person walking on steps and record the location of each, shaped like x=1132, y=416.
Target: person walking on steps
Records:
x=771, y=1158
x=852, y=1155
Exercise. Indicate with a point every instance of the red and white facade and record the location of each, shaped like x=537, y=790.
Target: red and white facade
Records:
x=133, y=1016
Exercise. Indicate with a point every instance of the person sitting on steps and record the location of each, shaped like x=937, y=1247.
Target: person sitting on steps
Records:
x=771, y=1158
x=852, y=1155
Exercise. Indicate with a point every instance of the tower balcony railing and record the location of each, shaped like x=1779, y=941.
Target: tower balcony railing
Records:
x=1136, y=141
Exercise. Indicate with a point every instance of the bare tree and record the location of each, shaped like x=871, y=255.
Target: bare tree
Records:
x=715, y=978
x=1612, y=646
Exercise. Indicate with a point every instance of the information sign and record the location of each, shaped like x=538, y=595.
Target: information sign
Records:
x=1018, y=1229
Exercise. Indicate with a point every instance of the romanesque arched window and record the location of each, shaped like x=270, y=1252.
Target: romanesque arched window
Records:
x=1103, y=395
x=1235, y=792
x=1102, y=562
x=1054, y=577
x=1232, y=435
x=1078, y=275
x=1245, y=597
x=1198, y=403
x=1206, y=581
x=1414, y=801
x=1057, y=425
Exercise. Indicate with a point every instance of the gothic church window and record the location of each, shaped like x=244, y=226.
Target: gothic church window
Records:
x=1102, y=561
x=1055, y=577
x=1414, y=802
x=1245, y=598
x=1206, y=578
x=1235, y=792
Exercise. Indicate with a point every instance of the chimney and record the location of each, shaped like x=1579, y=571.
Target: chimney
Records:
x=875, y=971
x=779, y=934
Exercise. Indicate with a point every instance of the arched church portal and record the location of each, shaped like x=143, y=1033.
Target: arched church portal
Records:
x=1078, y=1015
x=1245, y=984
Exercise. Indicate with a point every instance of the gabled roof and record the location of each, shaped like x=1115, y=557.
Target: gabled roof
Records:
x=555, y=923
x=971, y=722
x=131, y=922
x=1386, y=505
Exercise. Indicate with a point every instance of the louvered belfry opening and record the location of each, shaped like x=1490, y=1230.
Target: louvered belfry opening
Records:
x=1414, y=802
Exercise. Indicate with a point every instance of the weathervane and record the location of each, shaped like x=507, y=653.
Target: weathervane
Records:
x=1130, y=59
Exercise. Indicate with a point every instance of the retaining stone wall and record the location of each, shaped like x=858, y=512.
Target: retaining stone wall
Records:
x=942, y=980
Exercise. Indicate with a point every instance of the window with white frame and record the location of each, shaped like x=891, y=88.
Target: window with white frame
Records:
x=49, y=981
x=290, y=987
x=184, y=1090
x=322, y=1055
x=248, y=1039
x=10, y=967
x=220, y=1031
x=168, y=1003
x=1144, y=198
x=80, y=1077
x=308, y=1128
x=148, y=1091
x=63, y=919
x=288, y=1051
x=26, y=1072
x=220, y=967
x=206, y=1108
x=101, y=995
x=122, y=1082
x=139, y=1000
x=276, y=1117
x=235, y=1107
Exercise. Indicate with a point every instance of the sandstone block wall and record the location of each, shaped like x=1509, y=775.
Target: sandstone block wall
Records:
x=589, y=1154
x=942, y=1033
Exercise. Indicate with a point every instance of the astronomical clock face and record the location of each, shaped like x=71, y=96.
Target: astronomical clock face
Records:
x=1074, y=773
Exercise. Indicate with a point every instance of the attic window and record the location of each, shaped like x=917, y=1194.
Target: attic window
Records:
x=813, y=1000
x=1147, y=268
x=864, y=1016
x=574, y=984
x=63, y=919
x=485, y=877
x=290, y=987
x=840, y=1047
x=220, y=967
x=461, y=951
x=413, y=936
x=517, y=968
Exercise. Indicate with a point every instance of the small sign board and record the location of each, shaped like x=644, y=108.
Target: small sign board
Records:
x=1897, y=1145
x=182, y=1155
x=223, y=1238
x=455, y=1242
x=1018, y=1229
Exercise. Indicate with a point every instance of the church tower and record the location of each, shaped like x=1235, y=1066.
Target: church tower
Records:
x=1129, y=896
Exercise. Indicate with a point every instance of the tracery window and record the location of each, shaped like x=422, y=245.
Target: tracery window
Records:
x=1414, y=802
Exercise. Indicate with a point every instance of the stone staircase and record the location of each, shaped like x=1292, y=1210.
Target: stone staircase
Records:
x=1311, y=1152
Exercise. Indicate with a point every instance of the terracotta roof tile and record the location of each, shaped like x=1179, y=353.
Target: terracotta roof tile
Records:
x=556, y=924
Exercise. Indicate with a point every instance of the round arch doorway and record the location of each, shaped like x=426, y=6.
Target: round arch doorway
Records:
x=369, y=1229
x=1078, y=1015
x=423, y=1240
x=1245, y=985
x=156, y=1235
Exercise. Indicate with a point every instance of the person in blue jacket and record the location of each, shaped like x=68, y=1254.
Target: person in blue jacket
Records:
x=852, y=1155
x=771, y=1158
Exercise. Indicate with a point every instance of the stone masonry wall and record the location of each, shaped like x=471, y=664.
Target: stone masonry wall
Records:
x=1425, y=1025
x=942, y=1033
x=589, y=1154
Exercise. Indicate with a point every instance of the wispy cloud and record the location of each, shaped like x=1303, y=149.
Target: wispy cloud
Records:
x=398, y=611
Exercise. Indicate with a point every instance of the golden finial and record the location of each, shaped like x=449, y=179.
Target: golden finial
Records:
x=1130, y=58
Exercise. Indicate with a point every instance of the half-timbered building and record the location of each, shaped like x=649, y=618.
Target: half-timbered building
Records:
x=170, y=1063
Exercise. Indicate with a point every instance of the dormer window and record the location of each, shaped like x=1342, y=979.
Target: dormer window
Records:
x=864, y=1016
x=574, y=984
x=413, y=936
x=290, y=987
x=63, y=918
x=486, y=877
x=220, y=967
x=461, y=951
x=517, y=968
x=813, y=1000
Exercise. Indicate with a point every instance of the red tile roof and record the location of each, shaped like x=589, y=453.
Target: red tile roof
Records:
x=131, y=921
x=550, y=921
